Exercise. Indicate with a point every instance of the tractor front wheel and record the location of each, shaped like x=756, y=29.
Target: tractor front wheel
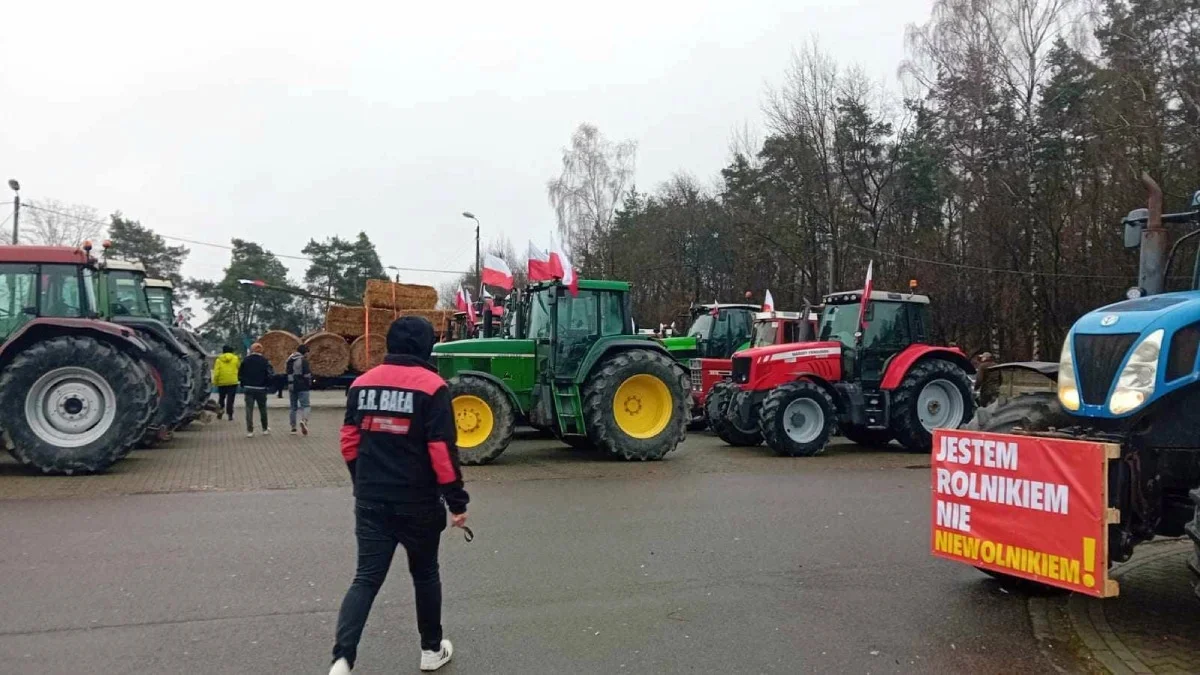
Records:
x=635, y=405
x=69, y=404
x=484, y=418
x=723, y=421
x=797, y=418
x=934, y=394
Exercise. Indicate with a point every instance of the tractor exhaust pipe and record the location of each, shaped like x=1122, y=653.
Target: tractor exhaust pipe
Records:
x=1152, y=272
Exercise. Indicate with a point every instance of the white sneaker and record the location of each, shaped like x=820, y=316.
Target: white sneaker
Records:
x=435, y=660
x=249, y=434
x=266, y=432
x=340, y=667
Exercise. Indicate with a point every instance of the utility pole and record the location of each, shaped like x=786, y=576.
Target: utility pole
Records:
x=16, y=188
x=478, y=270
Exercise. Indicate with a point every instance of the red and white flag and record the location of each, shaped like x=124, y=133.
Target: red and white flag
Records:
x=463, y=303
x=539, y=264
x=866, y=298
x=560, y=266
x=496, y=272
x=768, y=302
x=252, y=282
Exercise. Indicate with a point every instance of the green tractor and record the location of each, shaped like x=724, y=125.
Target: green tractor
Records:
x=570, y=364
x=160, y=296
x=121, y=299
x=716, y=332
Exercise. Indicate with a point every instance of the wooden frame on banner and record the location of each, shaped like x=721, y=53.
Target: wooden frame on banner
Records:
x=1109, y=588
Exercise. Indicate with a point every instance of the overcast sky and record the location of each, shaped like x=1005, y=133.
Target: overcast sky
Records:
x=282, y=122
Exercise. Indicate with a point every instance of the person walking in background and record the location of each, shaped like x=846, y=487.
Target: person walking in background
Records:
x=299, y=376
x=398, y=441
x=255, y=376
x=225, y=378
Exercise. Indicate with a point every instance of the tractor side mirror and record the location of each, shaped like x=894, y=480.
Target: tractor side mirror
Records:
x=1134, y=223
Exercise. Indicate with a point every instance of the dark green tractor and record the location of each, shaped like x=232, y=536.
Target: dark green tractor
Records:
x=160, y=297
x=572, y=365
x=121, y=299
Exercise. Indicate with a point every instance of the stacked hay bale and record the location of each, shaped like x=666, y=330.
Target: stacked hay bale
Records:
x=278, y=345
x=328, y=354
x=366, y=354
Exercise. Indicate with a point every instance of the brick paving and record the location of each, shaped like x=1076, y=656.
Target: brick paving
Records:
x=1153, y=626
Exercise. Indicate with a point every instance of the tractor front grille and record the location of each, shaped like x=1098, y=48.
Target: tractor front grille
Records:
x=697, y=380
x=1097, y=358
x=741, y=369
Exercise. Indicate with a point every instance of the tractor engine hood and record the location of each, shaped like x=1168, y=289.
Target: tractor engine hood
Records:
x=790, y=352
x=490, y=346
x=676, y=344
x=1142, y=314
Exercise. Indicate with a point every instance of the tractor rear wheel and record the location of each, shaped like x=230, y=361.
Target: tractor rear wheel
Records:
x=716, y=408
x=484, y=418
x=868, y=438
x=797, y=418
x=69, y=404
x=201, y=383
x=1030, y=412
x=934, y=394
x=635, y=405
x=176, y=373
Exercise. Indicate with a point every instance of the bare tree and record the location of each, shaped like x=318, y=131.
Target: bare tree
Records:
x=50, y=222
x=596, y=174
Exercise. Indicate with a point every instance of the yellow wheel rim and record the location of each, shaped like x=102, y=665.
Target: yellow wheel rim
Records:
x=642, y=406
x=474, y=419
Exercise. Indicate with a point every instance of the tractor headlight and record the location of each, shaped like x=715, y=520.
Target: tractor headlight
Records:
x=1068, y=390
x=1136, y=381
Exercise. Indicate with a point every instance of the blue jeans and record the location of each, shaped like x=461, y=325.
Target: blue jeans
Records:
x=298, y=400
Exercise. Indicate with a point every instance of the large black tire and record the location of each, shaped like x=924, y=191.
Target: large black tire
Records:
x=467, y=418
x=939, y=379
x=666, y=420
x=176, y=373
x=100, y=394
x=868, y=438
x=815, y=407
x=201, y=382
x=1030, y=412
x=150, y=391
x=716, y=408
x=1193, y=532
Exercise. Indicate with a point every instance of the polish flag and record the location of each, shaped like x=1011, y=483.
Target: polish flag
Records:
x=252, y=282
x=539, y=264
x=496, y=272
x=489, y=302
x=866, y=298
x=768, y=302
x=463, y=303
x=561, y=268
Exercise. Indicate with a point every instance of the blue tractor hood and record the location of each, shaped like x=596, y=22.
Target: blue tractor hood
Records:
x=1168, y=310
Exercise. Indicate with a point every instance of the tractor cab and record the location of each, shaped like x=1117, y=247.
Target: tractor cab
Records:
x=894, y=321
x=44, y=281
x=718, y=330
x=777, y=328
x=160, y=296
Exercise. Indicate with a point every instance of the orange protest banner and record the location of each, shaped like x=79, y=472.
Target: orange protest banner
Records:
x=1026, y=506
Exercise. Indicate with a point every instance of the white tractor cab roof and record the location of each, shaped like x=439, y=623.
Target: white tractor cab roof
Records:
x=721, y=305
x=850, y=297
x=784, y=316
x=123, y=265
x=159, y=283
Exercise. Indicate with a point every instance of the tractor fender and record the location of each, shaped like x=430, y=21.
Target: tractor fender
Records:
x=43, y=327
x=605, y=349
x=156, y=328
x=991, y=378
x=1046, y=368
x=512, y=397
x=898, y=365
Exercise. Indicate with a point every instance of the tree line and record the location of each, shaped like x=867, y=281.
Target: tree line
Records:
x=997, y=181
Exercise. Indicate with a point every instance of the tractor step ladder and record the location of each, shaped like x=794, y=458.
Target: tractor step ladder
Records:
x=566, y=399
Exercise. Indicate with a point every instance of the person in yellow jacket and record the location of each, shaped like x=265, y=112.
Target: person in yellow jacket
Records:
x=225, y=376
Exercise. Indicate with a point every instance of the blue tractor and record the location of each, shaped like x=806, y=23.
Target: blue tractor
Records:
x=1128, y=374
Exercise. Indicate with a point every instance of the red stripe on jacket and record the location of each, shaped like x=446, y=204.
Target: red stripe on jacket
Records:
x=350, y=439
x=415, y=378
x=439, y=455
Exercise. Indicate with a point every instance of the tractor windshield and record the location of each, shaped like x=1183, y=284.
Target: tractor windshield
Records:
x=127, y=294
x=539, y=315
x=702, y=326
x=886, y=325
x=159, y=301
x=764, y=333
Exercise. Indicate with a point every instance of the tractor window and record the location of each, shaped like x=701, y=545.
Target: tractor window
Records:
x=612, y=314
x=577, y=316
x=539, y=316
x=887, y=327
x=127, y=294
x=839, y=323
x=702, y=326
x=764, y=333
x=159, y=300
x=60, y=291
x=18, y=302
x=791, y=332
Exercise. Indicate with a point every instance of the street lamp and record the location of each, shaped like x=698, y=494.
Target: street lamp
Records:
x=478, y=271
x=16, y=188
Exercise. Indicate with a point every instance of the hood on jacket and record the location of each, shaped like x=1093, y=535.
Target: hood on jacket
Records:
x=227, y=358
x=411, y=335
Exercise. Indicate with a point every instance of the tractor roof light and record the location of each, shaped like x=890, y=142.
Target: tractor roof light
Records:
x=1068, y=390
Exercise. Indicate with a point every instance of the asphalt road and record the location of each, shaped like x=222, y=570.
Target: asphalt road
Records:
x=716, y=560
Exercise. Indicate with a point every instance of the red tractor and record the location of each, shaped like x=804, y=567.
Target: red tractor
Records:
x=770, y=328
x=880, y=383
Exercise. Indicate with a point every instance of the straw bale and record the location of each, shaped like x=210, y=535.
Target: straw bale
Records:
x=359, y=359
x=278, y=345
x=391, y=295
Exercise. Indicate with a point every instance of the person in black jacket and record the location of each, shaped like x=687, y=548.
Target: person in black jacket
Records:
x=299, y=375
x=398, y=441
x=255, y=375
